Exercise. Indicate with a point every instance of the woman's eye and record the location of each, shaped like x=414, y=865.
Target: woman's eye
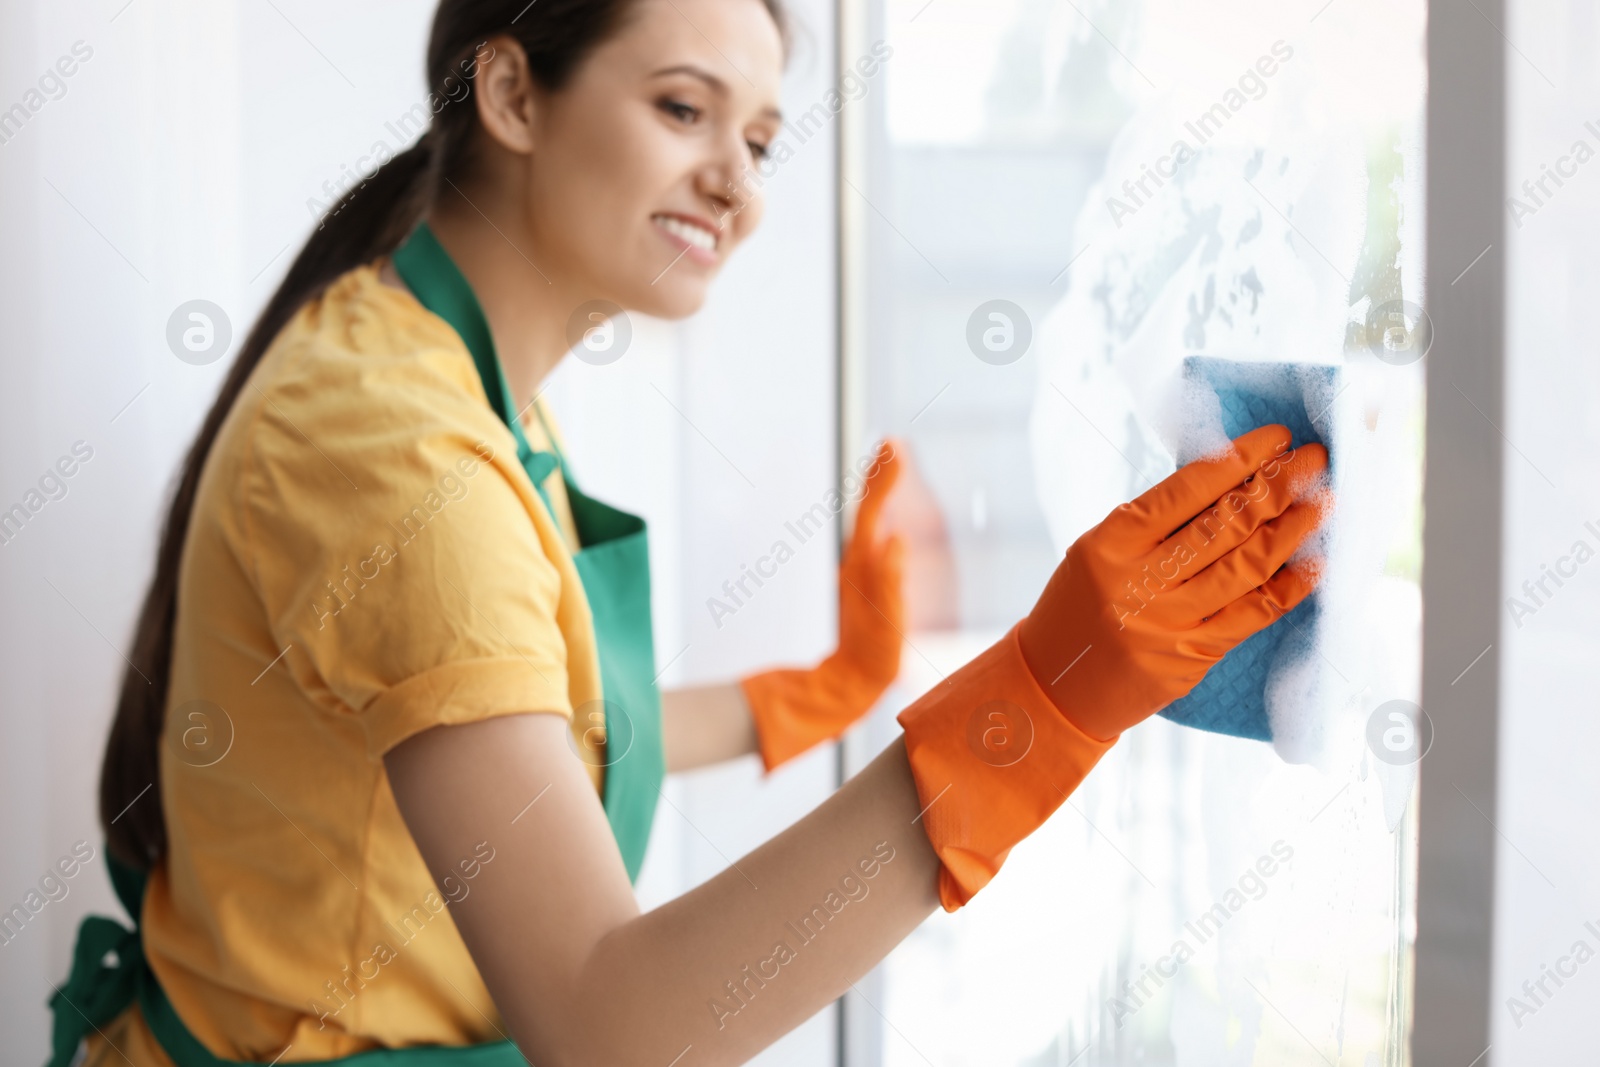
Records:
x=681, y=111
x=688, y=113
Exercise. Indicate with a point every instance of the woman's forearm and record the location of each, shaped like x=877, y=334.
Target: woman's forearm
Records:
x=734, y=964
x=581, y=977
x=705, y=724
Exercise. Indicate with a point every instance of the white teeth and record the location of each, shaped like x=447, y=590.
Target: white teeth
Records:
x=695, y=235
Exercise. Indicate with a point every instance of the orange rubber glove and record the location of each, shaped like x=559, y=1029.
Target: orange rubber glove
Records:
x=1135, y=614
x=795, y=709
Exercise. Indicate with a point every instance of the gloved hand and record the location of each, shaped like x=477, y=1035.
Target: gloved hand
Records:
x=1171, y=606
x=1135, y=614
x=795, y=709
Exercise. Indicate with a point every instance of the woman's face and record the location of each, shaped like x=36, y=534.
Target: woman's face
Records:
x=641, y=177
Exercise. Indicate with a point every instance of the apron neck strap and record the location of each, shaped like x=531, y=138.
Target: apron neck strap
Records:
x=538, y=410
x=438, y=284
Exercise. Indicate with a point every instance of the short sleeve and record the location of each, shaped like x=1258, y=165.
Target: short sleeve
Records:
x=391, y=533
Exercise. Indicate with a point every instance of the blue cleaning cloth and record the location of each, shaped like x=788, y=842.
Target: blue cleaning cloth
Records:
x=1231, y=699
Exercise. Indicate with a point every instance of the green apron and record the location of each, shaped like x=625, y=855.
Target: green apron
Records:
x=613, y=561
x=108, y=967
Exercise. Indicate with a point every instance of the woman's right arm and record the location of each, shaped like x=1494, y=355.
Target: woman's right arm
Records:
x=581, y=976
x=721, y=972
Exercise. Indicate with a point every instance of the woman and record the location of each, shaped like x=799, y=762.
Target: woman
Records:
x=377, y=564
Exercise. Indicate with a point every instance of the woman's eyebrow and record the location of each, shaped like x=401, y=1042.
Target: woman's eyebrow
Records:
x=717, y=84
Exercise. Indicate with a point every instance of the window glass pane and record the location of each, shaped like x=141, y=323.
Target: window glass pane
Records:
x=1066, y=201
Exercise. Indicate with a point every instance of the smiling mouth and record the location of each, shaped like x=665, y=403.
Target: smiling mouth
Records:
x=697, y=236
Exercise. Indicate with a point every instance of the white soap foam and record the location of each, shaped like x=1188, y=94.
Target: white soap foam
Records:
x=1197, y=429
x=1202, y=270
x=1304, y=686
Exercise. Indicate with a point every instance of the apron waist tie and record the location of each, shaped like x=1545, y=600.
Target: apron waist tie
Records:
x=107, y=962
x=110, y=972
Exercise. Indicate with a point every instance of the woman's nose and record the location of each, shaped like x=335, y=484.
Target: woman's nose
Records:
x=729, y=182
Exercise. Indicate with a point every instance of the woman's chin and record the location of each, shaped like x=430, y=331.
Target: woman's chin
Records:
x=669, y=297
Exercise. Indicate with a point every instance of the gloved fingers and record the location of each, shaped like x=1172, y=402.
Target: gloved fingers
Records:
x=876, y=572
x=881, y=476
x=1151, y=517
x=1240, y=512
x=871, y=598
x=1250, y=564
x=1257, y=609
x=892, y=559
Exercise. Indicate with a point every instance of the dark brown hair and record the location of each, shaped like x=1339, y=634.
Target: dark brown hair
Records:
x=368, y=221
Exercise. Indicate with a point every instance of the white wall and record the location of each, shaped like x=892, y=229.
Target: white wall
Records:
x=177, y=165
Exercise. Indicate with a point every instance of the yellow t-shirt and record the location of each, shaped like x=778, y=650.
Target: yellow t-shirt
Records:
x=363, y=526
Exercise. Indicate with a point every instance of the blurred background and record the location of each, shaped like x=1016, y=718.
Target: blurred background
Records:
x=986, y=242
